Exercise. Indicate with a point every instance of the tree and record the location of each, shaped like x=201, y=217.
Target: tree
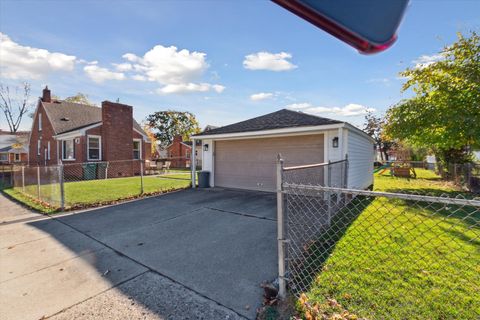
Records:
x=153, y=139
x=374, y=127
x=168, y=124
x=444, y=113
x=78, y=98
x=15, y=104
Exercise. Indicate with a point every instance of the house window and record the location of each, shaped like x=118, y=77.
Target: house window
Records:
x=39, y=147
x=17, y=157
x=48, y=150
x=94, y=148
x=68, y=150
x=4, y=157
x=40, y=121
x=137, y=148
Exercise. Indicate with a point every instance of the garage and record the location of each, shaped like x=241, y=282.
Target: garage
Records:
x=243, y=155
x=250, y=163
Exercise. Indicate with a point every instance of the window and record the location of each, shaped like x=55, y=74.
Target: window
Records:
x=3, y=156
x=39, y=147
x=40, y=121
x=137, y=149
x=48, y=150
x=68, y=150
x=94, y=148
x=17, y=157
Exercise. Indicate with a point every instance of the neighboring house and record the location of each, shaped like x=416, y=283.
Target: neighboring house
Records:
x=13, y=148
x=179, y=152
x=66, y=132
x=243, y=155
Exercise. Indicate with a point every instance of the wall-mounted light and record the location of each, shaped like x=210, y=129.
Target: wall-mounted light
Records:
x=335, y=142
x=205, y=147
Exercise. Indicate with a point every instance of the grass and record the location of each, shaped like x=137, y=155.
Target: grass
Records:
x=97, y=192
x=395, y=259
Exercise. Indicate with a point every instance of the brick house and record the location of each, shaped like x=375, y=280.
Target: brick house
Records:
x=13, y=147
x=68, y=133
x=179, y=152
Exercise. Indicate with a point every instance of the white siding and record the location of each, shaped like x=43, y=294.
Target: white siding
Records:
x=207, y=159
x=360, y=160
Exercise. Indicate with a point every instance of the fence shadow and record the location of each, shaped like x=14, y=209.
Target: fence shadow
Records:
x=316, y=251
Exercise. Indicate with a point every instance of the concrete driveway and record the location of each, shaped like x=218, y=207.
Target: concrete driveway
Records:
x=189, y=254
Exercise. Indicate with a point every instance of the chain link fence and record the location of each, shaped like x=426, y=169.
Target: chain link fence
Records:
x=465, y=175
x=376, y=255
x=74, y=185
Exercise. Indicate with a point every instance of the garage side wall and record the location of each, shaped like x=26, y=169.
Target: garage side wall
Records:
x=360, y=160
x=207, y=159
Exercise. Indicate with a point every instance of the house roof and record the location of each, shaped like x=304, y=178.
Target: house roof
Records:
x=189, y=143
x=8, y=141
x=276, y=120
x=68, y=116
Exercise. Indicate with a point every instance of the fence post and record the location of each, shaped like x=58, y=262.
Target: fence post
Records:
x=23, y=179
x=62, y=187
x=141, y=176
x=282, y=285
x=38, y=182
x=329, y=194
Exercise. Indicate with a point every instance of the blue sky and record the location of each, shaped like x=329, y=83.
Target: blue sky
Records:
x=232, y=59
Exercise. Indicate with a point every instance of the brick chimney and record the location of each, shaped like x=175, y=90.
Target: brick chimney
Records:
x=46, y=96
x=117, y=131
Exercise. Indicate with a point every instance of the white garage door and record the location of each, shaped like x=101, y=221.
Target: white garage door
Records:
x=250, y=163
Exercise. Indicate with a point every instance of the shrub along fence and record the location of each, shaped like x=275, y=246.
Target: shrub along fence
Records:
x=377, y=255
x=85, y=184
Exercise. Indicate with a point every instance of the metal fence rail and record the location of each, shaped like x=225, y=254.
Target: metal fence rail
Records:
x=379, y=255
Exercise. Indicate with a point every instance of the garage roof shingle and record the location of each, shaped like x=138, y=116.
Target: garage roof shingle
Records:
x=276, y=120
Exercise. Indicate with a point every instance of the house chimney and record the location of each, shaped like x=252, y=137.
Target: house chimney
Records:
x=117, y=131
x=46, y=96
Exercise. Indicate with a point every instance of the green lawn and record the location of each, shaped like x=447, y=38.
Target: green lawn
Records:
x=393, y=259
x=94, y=192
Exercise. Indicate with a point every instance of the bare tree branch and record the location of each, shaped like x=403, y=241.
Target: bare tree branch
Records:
x=15, y=106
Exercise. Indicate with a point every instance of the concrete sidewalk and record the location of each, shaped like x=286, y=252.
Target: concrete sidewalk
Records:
x=185, y=255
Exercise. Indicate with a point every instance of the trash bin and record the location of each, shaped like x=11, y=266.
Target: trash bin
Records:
x=204, y=179
x=102, y=170
x=89, y=171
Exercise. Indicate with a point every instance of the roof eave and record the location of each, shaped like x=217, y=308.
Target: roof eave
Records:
x=270, y=132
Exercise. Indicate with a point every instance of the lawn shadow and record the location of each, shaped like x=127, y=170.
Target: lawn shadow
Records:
x=308, y=255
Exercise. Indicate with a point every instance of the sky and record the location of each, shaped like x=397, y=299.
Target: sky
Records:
x=224, y=61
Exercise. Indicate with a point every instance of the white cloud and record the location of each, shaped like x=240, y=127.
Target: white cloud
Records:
x=23, y=62
x=139, y=77
x=190, y=87
x=99, y=74
x=268, y=61
x=349, y=110
x=130, y=57
x=426, y=60
x=122, y=67
x=261, y=96
x=178, y=71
